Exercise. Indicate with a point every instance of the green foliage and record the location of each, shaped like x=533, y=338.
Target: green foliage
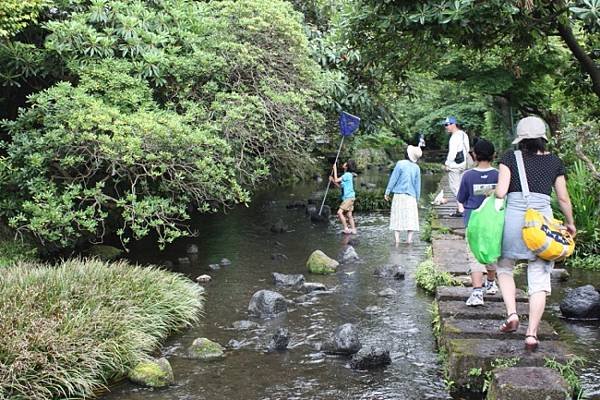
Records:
x=172, y=103
x=429, y=277
x=68, y=329
x=589, y=262
x=579, y=147
x=81, y=159
x=13, y=252
x=436, y=320
x=569, y=372
x=17, y=14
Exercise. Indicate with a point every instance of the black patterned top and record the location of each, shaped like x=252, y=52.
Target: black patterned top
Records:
x=541, y=170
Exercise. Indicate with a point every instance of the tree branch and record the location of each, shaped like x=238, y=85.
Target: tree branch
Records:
x=589, y=66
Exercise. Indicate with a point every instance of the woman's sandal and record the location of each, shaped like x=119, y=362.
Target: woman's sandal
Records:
x=531, y=346
x=510, y=326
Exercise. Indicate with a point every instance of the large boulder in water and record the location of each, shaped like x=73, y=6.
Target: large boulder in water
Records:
x=266, y=304
x=152, y=373
x=344, y=341
x=373, y=357
x=581, y=303
x=288, y=280
x=319, y=263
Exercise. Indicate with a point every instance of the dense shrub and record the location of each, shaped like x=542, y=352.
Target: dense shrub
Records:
x=170, y=103
x=100, y=157
x=67, y=329
x=579, y=147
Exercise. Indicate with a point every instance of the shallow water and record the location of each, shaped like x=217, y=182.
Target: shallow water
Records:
x=401, y=324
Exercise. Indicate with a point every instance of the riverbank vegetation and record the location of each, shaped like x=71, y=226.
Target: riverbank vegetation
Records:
x=139, y=110
x=67, y=330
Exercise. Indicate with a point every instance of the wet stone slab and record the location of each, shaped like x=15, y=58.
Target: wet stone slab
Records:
x=458, y=293
x=451, y=255
x=465, y=355
x=491, y=310
x=528, y=383
x=489, y=329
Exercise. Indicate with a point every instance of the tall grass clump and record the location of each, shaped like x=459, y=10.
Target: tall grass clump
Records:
x=69, y=329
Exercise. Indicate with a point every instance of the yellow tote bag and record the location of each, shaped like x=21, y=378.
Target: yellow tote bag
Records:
x=547, y=238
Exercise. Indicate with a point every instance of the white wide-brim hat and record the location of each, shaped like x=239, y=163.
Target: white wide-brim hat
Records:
x=530, y=128
x=414, y=153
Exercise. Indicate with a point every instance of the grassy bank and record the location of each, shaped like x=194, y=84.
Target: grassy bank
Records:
x=69, y=329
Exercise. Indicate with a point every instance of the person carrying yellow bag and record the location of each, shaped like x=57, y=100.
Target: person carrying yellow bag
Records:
x=543, y=172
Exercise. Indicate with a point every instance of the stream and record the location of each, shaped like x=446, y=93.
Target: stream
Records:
x=402, y=323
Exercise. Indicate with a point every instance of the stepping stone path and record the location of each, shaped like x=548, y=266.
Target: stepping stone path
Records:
x=470, y=336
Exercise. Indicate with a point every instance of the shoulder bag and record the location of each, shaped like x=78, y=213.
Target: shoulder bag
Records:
x=547, y=238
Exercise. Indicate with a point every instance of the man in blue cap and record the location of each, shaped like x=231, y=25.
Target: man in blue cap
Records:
x=456, y=161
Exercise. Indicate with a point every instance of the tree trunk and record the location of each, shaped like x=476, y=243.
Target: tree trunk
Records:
x=584, y=59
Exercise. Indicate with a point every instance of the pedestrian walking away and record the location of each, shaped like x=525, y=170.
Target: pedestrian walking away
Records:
x=544, y=172
x=456, y=160
x=475, y=185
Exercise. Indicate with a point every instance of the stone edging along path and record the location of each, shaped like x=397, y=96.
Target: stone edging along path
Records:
x=477, y=356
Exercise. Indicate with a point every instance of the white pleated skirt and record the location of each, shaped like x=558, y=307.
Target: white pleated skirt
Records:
x=405, y=214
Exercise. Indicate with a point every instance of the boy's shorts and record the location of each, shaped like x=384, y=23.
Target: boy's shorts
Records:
x=347, y=205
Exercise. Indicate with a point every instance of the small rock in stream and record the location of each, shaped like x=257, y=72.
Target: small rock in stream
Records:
x=214, y=267
x=343, y=341
x=203, y=278
x=389, y=292
x=390, y=271
x=371, y=358
x=280, y=340
x=224, y=262
x=288, y=280
x=279, y=227
x=348, y=255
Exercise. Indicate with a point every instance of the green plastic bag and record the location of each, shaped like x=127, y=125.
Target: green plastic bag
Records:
x=484, y=232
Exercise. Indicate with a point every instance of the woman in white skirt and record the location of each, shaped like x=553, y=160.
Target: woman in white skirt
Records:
x=405, y=184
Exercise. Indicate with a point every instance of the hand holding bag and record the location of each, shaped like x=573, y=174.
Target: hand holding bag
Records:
x=547, y=238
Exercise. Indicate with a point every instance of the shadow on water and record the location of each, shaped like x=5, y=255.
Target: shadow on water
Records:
x=401, y=324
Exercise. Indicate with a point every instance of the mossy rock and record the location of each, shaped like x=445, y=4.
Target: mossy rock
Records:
x=205, y=349
x=320, y=263
x=152, y=373
x=105, y=252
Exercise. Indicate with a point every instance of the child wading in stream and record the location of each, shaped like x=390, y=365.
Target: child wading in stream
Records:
x=346, y=181
x=475, y=184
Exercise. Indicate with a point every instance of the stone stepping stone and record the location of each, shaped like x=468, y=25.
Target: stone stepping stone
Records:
x=458, y=293
x=491, y=310
x=528, y=383
x=489, y=329
x=451, y=255
x=466, y=355
x=452, y=223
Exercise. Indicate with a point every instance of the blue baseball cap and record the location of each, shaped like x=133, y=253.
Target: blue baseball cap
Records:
x=449, y=121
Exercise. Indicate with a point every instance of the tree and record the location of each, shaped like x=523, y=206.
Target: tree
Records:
x=419, y=33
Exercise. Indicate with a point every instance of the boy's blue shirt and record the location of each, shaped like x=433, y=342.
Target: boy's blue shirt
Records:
x=347, y=185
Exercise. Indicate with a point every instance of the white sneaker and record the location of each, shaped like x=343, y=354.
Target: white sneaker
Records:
x=476, y=298
x=491, y=287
